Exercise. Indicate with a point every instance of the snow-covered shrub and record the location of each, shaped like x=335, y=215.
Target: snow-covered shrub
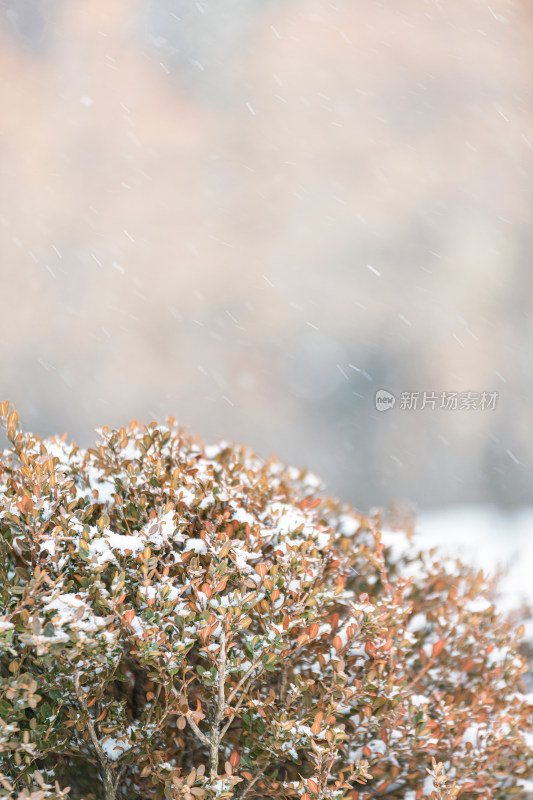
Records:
x=181, y=621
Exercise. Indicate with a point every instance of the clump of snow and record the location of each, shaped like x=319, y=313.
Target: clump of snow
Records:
x=131, y=451
x=49, y=545
x=417, y=622
x=419, y=700
x=115, y=747
x=69, y=609
x=213, y=450
x=472, y=735
x=286, y=518
x=241, y=515
x=162, y=531
x=478, y=605
x=497, y=656
x=101, y=547
x=197, y=545
x=124, y=542
x=105, y=487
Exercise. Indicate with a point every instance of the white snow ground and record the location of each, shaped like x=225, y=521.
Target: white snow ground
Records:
x=491, y=538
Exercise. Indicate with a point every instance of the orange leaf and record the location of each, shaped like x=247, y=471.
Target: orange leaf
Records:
x=337, y=643
x=234, y=759
x=316, y=727
x=129, y=615
x=204, y=633
x=313, y=629
x=370, y=650
x=437, y=648
x=313, y=785
x=26, y=503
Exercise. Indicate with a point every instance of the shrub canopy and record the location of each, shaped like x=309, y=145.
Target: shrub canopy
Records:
x=189, y=621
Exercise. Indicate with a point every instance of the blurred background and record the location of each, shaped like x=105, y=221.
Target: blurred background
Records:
x=254, y=214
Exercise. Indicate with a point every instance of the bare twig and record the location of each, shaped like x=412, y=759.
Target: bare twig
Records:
x=119, y=775
x=394, y=788
x=243, y=679
x=152, y=707
x=380, y=563
x=222, y=703
x=251, y=783
x=234, y=711
x=110, y=785
x=190, y=719
x=422, y=671
x=283, y=682
x=245, y=692
x=221, y=678
x=220, y=709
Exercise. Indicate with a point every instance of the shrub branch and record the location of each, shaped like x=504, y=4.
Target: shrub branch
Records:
x=110, y=784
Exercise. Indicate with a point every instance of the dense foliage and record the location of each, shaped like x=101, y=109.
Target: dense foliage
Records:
x=181, y=621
